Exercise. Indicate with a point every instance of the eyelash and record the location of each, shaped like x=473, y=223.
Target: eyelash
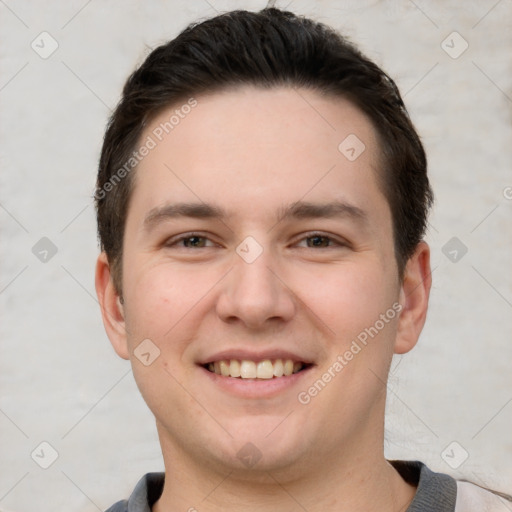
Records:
x=182, y=238
x=332, y=242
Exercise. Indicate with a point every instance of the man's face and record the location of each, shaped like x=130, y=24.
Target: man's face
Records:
x=252, y=236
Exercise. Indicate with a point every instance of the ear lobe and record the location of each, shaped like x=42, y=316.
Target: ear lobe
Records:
x=111, y=306
x=414, y=295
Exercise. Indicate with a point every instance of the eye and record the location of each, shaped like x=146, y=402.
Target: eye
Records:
x=190, y=241
x=318, y=240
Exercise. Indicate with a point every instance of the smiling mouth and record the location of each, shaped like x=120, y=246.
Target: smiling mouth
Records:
x=266, y=369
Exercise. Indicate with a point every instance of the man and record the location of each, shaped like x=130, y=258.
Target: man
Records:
x=262, y=197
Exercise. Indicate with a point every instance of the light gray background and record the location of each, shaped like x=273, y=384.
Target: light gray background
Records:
x=61, y=382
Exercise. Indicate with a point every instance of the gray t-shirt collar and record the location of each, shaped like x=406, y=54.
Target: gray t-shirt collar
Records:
x=435, y=491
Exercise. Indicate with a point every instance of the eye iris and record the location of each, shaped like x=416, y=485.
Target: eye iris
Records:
x=318, y=241
x=194, y=241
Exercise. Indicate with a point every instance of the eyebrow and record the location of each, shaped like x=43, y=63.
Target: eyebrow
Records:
x=193, y=210
x=333, y=209
x=297, y=210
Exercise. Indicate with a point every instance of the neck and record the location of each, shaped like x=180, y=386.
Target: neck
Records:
x=346, y=481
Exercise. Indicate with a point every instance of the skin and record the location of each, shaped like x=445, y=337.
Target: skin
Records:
x=253, y=153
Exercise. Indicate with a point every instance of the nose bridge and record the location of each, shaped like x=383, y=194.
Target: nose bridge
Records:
x=255, y=275
x=253, y=293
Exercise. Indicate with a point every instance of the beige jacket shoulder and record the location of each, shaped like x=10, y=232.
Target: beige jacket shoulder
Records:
x=472, y=498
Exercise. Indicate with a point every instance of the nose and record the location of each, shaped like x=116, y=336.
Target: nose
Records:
x=255, y=295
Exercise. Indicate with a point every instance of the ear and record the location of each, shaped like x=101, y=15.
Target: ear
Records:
x=414, y=294
x=111, y=307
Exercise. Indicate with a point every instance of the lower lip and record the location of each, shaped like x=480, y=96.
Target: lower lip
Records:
x=256, y=388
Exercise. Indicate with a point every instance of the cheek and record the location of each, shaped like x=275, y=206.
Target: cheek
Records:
x=357, y=307
x=164, y=299
x=346, y=299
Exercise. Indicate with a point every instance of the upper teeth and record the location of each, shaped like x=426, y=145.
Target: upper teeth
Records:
x=255, y=370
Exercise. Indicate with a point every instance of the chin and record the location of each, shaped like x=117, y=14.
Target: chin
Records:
x=262, y=446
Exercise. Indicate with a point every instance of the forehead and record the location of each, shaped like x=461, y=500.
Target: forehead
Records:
x=257, y=148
